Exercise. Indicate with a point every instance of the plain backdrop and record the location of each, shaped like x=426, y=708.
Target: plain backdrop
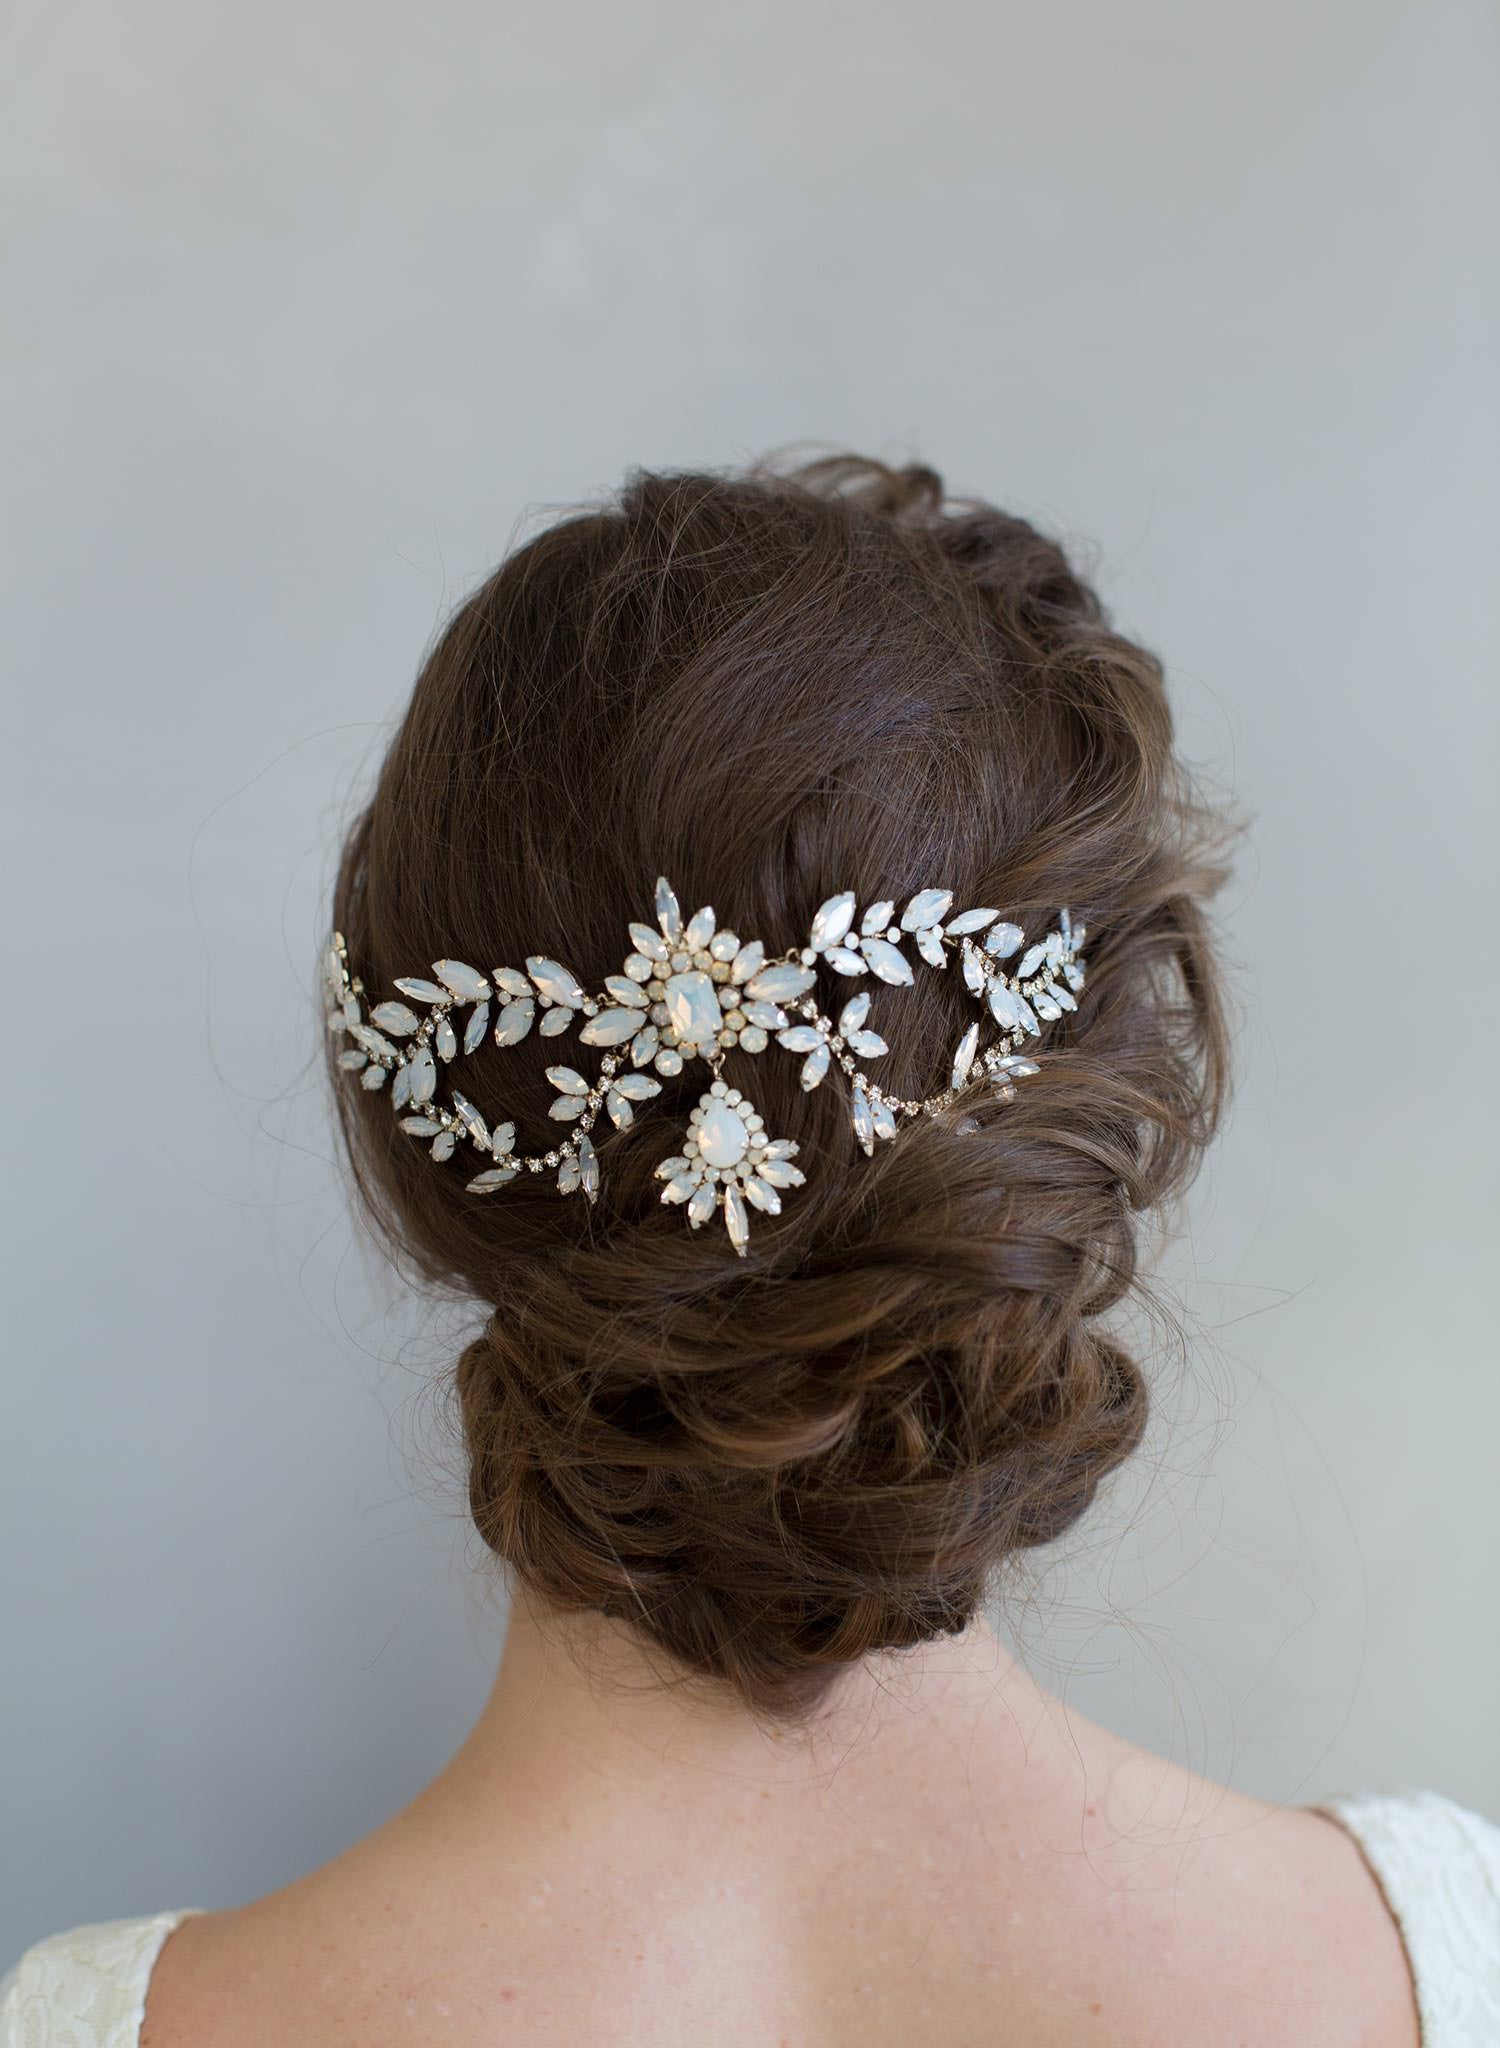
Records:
x=309, y=312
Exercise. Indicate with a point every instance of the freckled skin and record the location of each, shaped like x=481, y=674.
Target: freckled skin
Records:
x=947, y=1856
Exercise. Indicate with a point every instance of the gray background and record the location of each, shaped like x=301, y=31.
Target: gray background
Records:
x=307, y=309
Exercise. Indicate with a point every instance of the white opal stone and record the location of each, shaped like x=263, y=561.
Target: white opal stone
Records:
x=723, y=1138
x=693, y=1008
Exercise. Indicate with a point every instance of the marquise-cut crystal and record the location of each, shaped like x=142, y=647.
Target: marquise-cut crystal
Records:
x=868, y=1045
x=969, y=921
x=736, y=1221
x=878, y=916
x=420, y=991
x=444, y=1038
x=800, y=1037
x=512, y=981
x=1005, y=1005
x=832, y=921
x=478, y=1024
x=747, y=961
x=396, y=1018
x=931, y=947
x=496, y=1177
x=372, y=1041
x=780, y=984
x=568, y=1079
x=478, y=1129
x=626, y=989
x=588, y=1164
x=648, y=942
x=815, y=1066
x=637, y=1087
x=1031, y=960
x=443, y=1144
x=864, y=1123
x=611, y=1027
x=963, y=1059
x=700, y=930
x=555, y=1021
x=668, y=915
x=888, y=961
x=925, y=908
x=1003, y=939
x=422, y=1068
x=854, y=1013
x=554, y=980
x=723, y=1135
x=466, y=982
x=703, y=1202
x=763, y=1195
x=844, y=960
x=373, y=1077
x=693, y=1008
x=514, y=1021
x=779, y=1173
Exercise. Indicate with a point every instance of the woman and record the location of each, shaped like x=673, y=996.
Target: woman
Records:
x=799, y=1220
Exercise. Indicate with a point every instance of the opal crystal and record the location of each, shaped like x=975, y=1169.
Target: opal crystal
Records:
x=693, y=1008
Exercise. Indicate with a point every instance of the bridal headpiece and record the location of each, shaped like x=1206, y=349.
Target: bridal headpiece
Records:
x=691, y=990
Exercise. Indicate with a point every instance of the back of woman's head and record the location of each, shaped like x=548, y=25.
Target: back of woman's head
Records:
x=771, y=688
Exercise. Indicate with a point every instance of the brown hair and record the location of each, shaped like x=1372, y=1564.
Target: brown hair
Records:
x=771, y=687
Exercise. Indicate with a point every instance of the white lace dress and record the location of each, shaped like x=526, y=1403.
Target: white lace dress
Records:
x=1437, y=1864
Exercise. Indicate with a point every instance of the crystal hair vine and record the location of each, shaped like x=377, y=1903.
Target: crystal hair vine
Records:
x=692, y=990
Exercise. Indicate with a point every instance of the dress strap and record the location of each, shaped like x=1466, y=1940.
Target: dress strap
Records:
x=85, y=1988
x=1438, y=1866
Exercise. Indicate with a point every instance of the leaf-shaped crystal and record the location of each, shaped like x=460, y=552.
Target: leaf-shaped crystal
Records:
x=877, y=917
x=702, y=1203
x=567, y=1079
x=443, y=1144
x=353, y=1059
x=747, y=961
x=502, y=1139
x=762, y=1194
x=611, y=1027
x=1062, y=995
x=1005, y=1005
x=588, y=1165
x=844, y=960
x=963, y=1059
x=421, y=1126
x=974, y=971
x=478, y=1024
x=514, y=1021
x=800, y=1037
x=512, y=980
x=780, y=984
x=568, y=1175
x=401, y=1087
x=423, y=1070
x=626, y=990
x=646, y=941
x=1074, y=973
x=668, y=914
x=925, y=908
x=1044, y=1006
x=466, y=982
x=396, y=1018
x=868, y=1045
x=1031, y=960
x=1027, y=1015
x=643, y=1046
x=620, y=1111
x=679, y=1189
x=478, y=1129
x=885, y=1119
x=444, y=1038
x=831, y=921
x=1003, y=939
x=555, y=1022
x=815, y=1066
x=420, y=991
x=637, y=1087
x=700, y=929
x=373, y=1077
x=864, y=1122
x=931, y=947
x=888, y=961
x=568, y=1107
x=766, y=1015
x=969, y=921
x=854, y=1013
x=554, y=980
x=736, y=1221
x=494, y=1177
x=372, y=1041
x=780, y=1173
